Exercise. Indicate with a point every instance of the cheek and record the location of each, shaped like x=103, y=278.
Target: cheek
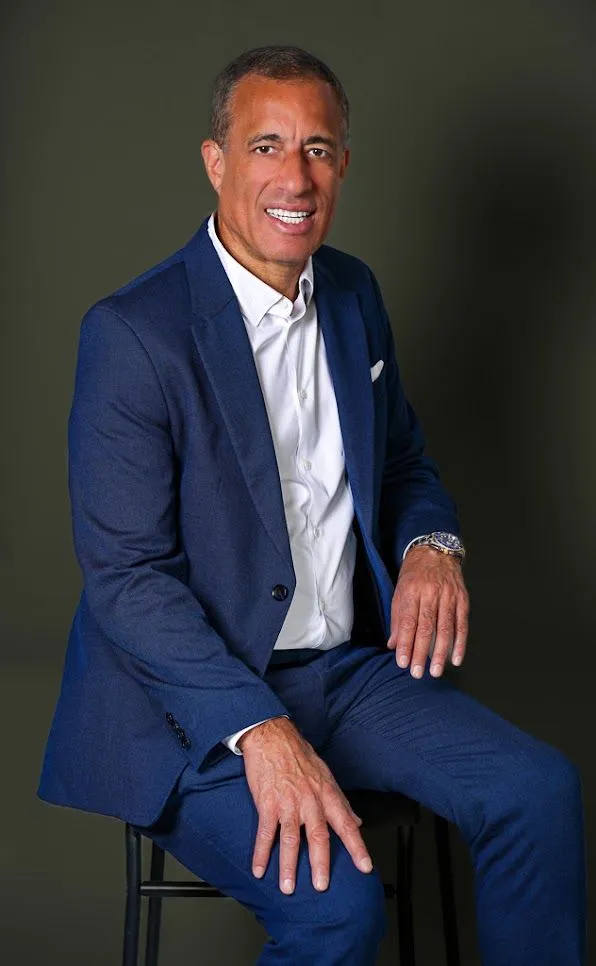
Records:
x=327, y=186
x=327, y=201
x=244, y=195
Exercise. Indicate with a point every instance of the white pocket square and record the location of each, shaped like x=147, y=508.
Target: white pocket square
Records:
x=375, y=370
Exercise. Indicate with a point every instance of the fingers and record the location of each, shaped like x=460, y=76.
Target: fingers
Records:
x=265, y=837
x=343, y=819
x=317, y=836
x=425, y=632
x=342, y=822
x=461, y=630
x=406, y=620
x=429, y=625
x=289, y=846
x=445, y=635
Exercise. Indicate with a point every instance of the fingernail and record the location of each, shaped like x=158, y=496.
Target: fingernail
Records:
x=365, y=865
x=456, y=659
x=435, y=670
x=258, y=871
x=417, y=671
x=322, y=882
x=288, y=885
x=403, y=660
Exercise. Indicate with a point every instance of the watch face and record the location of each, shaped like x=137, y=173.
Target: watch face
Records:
x=449, y=541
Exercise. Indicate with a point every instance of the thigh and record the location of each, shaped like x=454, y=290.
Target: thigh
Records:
x=210, y=828
x=423, y=737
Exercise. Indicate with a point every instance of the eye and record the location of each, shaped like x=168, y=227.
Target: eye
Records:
x=321, y=152
x=263, y=149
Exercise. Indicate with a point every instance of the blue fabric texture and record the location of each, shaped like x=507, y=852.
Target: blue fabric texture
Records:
x=515, y=800
x=179, y=525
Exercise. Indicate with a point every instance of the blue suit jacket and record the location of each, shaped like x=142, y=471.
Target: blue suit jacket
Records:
x=179, y=525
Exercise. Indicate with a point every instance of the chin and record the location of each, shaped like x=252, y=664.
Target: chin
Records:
x=293, y=250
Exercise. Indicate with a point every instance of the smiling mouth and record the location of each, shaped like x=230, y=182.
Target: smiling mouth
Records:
x=289, y=217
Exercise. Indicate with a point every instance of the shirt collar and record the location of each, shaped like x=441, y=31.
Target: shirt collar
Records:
x=255, y=297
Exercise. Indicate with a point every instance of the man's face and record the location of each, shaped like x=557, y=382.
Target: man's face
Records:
x=278, y=179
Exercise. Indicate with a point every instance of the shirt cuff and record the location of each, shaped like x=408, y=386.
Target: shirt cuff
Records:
x=231, y=740
x=403, y=556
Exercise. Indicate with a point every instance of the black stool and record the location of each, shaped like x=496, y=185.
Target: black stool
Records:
x=376, y=809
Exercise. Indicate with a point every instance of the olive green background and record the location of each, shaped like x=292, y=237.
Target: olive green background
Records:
x=471, y=194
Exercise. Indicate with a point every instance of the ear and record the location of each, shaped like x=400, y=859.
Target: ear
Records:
x=214, y=161
x=343, y=164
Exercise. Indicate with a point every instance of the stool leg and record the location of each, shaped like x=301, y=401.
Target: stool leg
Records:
x=132, y=915
x=447, y=892
x=405, y=918
x=154, y=908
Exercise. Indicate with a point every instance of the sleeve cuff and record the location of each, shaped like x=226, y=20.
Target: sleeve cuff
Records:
x=403, y=556
x=231, y=741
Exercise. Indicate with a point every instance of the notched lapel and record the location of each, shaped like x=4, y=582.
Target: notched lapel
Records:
x=226, y=354
x=224, y=347
x=346, y=347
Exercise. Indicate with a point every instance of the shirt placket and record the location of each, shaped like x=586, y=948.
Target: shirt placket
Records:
x=300, y=348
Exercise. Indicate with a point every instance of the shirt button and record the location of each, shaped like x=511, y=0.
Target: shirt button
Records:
x=303, y=394
x=317, y=532
x=323, y=606
x=307, y=465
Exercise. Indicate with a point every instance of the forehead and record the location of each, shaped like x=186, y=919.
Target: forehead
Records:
x=261, y=103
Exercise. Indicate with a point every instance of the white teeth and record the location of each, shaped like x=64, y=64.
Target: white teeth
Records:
x=290, y=217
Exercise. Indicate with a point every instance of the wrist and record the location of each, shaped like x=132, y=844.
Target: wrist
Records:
x=262, y=731
x=425, y=550
x=441, y=541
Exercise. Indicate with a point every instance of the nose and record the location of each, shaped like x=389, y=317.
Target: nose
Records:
x=294, y=174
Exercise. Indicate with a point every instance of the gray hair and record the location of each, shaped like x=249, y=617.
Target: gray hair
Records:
x=279, y=62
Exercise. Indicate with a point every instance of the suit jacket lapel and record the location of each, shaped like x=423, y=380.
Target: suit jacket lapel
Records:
x=346, y=346
x=226, y=354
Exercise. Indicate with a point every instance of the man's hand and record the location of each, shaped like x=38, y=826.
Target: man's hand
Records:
x=291, y=786
x=430, y=603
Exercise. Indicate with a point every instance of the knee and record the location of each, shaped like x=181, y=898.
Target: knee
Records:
x=561, y=780
x=545, y=784
x=550, y=777
x=361, y=911
x=531, y=790
x=348, y=918
x=353, y=907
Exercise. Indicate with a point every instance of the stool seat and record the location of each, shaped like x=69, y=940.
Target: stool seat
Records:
x=377, y=809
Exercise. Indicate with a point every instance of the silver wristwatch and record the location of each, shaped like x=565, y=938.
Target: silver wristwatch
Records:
x=446, y=543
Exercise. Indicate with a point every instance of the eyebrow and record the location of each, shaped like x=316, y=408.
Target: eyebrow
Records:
x=277, y=139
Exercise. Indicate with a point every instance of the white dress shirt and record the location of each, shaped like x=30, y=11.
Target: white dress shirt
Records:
x=289, y=354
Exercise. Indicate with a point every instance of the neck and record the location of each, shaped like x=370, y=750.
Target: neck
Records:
x=282, y=278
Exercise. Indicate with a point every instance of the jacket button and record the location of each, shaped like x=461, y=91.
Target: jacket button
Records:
x=279, y=592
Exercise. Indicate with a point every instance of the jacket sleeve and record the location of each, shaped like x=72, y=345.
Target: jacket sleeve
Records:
x=123, y=489
x=413, y=498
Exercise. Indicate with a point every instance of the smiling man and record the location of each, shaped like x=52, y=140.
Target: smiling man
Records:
x=273, y=571
x=277, y=171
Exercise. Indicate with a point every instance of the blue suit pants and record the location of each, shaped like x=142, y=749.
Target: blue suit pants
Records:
x=516, y=801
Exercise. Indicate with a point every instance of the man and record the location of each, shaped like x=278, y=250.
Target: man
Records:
x=247, y=479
